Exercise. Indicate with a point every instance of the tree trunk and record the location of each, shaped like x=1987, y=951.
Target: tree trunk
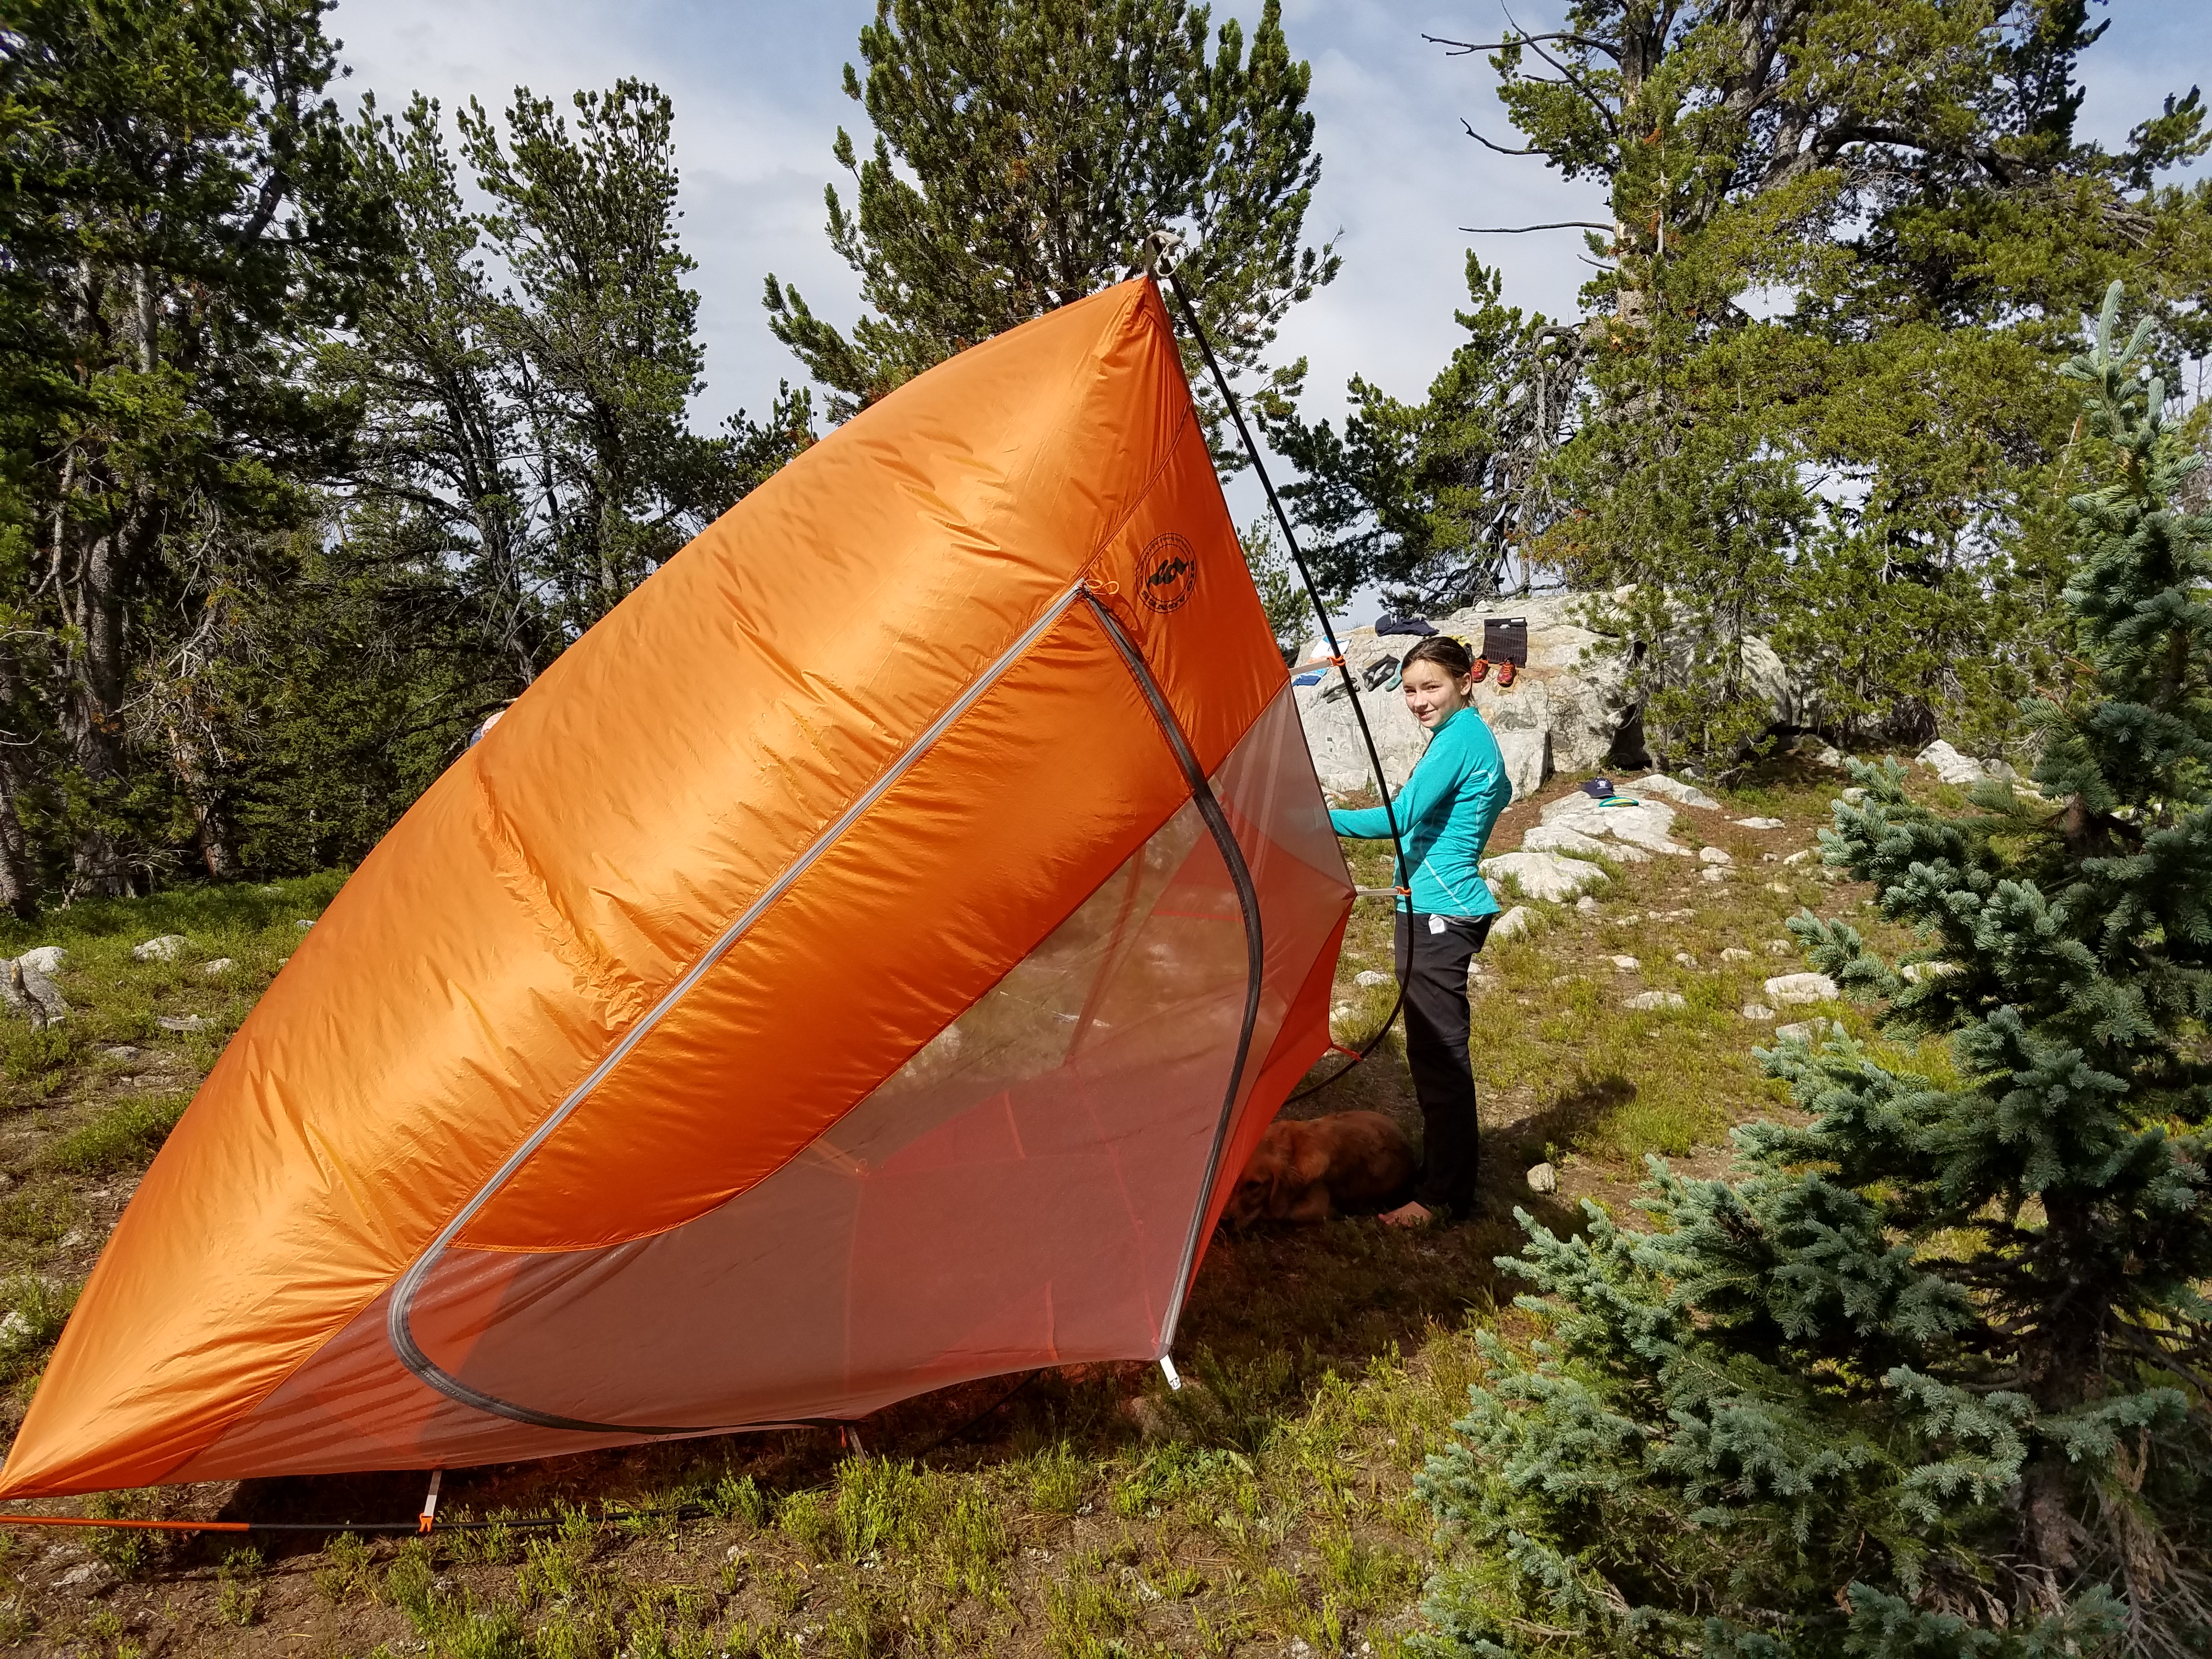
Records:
x=210, y=828
x=18, y=888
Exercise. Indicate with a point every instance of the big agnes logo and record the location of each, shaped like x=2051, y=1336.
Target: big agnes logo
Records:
x=1171, y=573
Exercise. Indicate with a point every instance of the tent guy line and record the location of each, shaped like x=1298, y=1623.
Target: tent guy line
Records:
x=1160, y=259
x=409, y=1352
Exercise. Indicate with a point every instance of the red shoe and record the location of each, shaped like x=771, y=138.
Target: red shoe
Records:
x=1507, y=673
x=1480, y=671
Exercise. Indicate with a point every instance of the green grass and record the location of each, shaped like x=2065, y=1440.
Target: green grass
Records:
x=124, y=1135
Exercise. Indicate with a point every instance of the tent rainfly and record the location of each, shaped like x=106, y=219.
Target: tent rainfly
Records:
x=860, y=964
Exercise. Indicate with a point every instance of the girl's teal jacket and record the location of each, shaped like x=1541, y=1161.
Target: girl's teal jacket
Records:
x=1458, y=789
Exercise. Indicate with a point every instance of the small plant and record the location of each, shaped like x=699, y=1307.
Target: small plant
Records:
x=786, y=1587
x=481, y=1634
x=347, y=1572
x=124, y=1136
x=809, y=1520
x=575, y=1633
x=32, y=1313
x=411, y=1585
x=738, y=1498
x=1059, y=1479
x=1365, y=1577
x=971, y=1544
x=35, y=1063
x=879, y=1506
x=104, y=1626
x=551, y=1571
x=239, y=1591
x=859, y=1626
x=128, y=1552
x=1085, y=1615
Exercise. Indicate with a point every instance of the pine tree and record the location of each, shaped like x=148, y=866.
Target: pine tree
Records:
x=1024, y=151
x=1930, y=1377
x=1843, y=246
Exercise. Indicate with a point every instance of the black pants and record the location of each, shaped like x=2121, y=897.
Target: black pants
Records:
x=1436, y=1049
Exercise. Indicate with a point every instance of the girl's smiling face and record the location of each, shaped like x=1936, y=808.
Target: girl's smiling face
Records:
x=1432, y=696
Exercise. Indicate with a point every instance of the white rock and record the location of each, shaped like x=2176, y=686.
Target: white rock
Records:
x=180, y=1022
x=1559, y=838
x=1757, y=1010
x=1714, y=855
x=1644, y=823
x=1543, y=1178
x=1626, y=964
x=1781, y=887
x=121, y=1051
x=303, y=924
x=1658, y=783
x=1802, y=855
x=1787, y=990
x=1809, y=1031
x=1854, y=796
x=46, y=959
x=1915, y=972
x=31, y=993
x=1369, y=976
x=1712, y=872
x=1544, y=876
x=1586, y=904
x=1673, y=915
x=1780, y=947
x=1648, y=1000
x=1684, y=959
x=13, y=1328
x=1572, y=808
x=1952, y=767
x=167, y=947
x=1735, y=953
x=1756, y=823
x=220, y=965
x=1514, y=923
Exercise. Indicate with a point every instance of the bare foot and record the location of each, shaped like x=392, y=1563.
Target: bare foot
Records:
x=1412, y=1213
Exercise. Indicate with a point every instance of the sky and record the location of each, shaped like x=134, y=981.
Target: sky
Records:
x=758, y=100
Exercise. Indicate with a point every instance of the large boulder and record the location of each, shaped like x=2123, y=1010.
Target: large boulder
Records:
x=1545, y=876
x=1568, y=710
x=1561, y=713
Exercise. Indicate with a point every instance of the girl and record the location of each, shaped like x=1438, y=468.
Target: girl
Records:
x=1458, y=789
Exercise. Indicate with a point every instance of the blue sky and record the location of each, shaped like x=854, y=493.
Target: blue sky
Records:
x=757, y=101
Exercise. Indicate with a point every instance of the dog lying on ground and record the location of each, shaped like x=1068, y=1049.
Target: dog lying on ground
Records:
x=1309, y=1170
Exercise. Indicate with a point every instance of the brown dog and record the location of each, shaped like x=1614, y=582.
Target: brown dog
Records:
x=1305, y=1171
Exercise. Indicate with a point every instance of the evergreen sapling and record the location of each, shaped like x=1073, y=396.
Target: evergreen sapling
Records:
x=1929, y=1376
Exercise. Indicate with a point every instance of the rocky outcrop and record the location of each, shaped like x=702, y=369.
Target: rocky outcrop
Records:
x=1563, y=712
x=1569, y=710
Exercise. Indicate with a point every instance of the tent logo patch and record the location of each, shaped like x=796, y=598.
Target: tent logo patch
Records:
x=1171, y=573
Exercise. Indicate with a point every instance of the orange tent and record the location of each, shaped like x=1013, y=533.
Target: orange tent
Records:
x=860, y=964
